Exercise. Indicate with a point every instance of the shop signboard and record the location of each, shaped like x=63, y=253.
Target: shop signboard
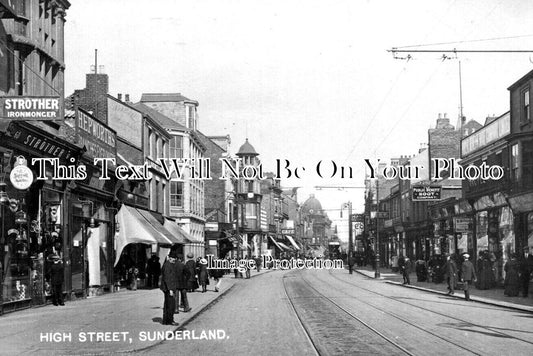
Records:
x=24, y=108
x=425, y=193
x=462, y=224
x=287, y=231
x=98, y=138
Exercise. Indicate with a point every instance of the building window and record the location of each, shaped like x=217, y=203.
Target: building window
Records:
x=176, y=147
x=190, y=116
x=149, y=143
x=176, y=194
x=527, y=162
x=514, y=162
x=525, y=105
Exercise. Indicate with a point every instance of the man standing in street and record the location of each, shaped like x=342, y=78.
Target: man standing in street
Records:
x=468, y=275
x=451, y=273
x=351, y=262
x=181, y=284
x=169, y=284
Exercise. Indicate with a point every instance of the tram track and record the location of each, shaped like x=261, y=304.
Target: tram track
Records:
x=456, y=319
x=321, y=318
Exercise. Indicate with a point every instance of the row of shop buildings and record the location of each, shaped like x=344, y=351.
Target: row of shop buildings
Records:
x=106, y=219
x=491, y=219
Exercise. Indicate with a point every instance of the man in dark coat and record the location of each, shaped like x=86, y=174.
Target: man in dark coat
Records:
x=153, y=270
x=468, y=275
x=183, y=275
x=57, y=276
x=451, y=273
x=169, y=285
x=526, y=267
x=351, y=262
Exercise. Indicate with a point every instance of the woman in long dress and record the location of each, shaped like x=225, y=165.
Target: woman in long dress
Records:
x=511, y=276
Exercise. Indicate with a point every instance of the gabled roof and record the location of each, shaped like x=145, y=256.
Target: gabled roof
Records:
x=161, y=119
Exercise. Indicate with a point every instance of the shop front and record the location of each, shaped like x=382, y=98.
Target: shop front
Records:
x=495, y=240
x=32, y=212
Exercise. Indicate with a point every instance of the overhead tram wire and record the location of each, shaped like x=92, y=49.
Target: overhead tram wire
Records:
x=382, y=103
x=467, y=41
x=409, y=107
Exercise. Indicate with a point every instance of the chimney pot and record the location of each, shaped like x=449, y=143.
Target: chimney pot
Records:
x=119, y=96
x=127, y=98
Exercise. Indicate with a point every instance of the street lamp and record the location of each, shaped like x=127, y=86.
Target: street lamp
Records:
x=377, y=274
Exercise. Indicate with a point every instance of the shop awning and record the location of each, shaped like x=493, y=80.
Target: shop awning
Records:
x=133, y=229
x=291, y=240
x=180, y=235
x=162, y=235
x=276, y=243
x=284, y=246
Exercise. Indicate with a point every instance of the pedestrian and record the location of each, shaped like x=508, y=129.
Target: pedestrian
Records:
x=401, y=263
x=351, y=262
x=153, y=270
x=217, y=275
x=468, y=275
x=407, y=267
x=169, y=285
x=512, y=278
x=192, y=283
x=526, y=267
x=258, y=263
x=57, y=275
x=203, y=277
x=181, y=285
x=451, y=273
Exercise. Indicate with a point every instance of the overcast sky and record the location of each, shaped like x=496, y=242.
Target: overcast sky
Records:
x=308, y=80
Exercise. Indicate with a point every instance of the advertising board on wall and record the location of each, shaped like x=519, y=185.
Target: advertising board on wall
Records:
x=125, y=120
x=425, y=193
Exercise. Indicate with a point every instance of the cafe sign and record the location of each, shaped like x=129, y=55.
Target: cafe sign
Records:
x=25, y=108
x=425, y=193
x=21, y=176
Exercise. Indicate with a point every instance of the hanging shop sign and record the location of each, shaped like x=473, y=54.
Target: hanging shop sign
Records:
x=21, y=176
x=425, y=193
x=25, y=108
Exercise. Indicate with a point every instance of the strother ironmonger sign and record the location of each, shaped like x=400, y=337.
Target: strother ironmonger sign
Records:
x=25, y=108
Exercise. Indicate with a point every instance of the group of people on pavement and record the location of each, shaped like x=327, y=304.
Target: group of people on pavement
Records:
x=178, y=278
x=466, y=276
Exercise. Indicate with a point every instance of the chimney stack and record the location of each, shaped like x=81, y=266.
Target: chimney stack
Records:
x=119, y=96
x=127, y=98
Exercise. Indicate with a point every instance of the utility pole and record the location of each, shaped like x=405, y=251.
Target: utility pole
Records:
x=350, y=229
x=377, y=273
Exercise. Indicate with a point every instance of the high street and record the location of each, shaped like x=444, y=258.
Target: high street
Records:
x=278, y=312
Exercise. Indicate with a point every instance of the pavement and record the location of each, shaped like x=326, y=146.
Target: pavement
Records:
x=493, y=296
x=115, y=323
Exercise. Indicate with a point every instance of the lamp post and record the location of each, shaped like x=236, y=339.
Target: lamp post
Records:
x=377, y=273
